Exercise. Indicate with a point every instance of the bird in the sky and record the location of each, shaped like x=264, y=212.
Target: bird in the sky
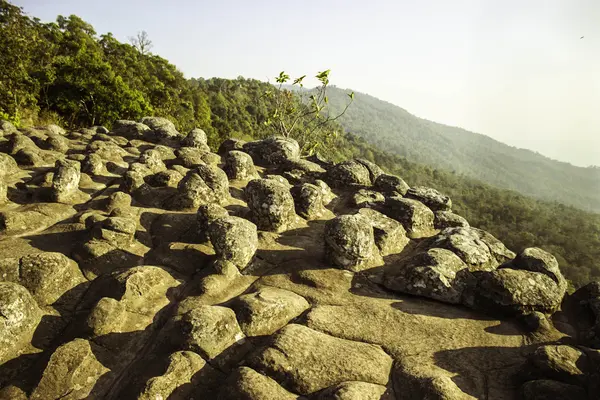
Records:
x=581, y=37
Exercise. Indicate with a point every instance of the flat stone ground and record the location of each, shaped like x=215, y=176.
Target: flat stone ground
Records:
x=341, y=334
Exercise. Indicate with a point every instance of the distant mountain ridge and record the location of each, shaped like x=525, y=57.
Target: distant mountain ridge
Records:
x=472, y=154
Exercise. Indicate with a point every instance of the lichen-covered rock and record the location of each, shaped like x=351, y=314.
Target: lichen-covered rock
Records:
x=161, y=129
x=308, y=201
x=234, y=239
x=247, y=384
x=367, y=198
x=350, y=242
x=216, y=179
x=332, y=360
x=210, y=330
x=32, y=217
x=328, y=195
x=196, y=138
x=66, y=180
x=57, y=143
x=271, y=204
x=273, y=151
x=203, y=185
x=430, y=197
x=267, y=310
x=544, y=389
x=72, y=372
x=19, y=317
x=152, y=160
x=390, y=235
x=130, y=129
x=119, y=231
x=3, y=191
x=416, y=218
x=229, y=145
x=348, y=173
x=190, y=157
x=206, y=215
x=374, y=170
x=8, y=165
x=93, y=164
x=239, y=165
x=563, y=363
x=167, y=178
x=390, y=185
x=185, y=373
x=433, y=274
x=118, y=200
x=7, y=127
x=49, y=276
x=508, y=291
x=537, y=260
x=107, y=316
x=447, y=219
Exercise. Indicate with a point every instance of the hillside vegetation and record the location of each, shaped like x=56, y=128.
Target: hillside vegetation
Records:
x=471, y=154
x=64, y=72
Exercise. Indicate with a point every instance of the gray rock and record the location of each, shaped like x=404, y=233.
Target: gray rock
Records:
x=152, y=160
x=367, y=198
x=390, y=235
x=430, y=197
x=20, y=317
x=239, y=165
x=390, y=185
x=374, y=170
x=433, y=274
x=210, y=330
x=73, y=372
x=93, y=164
x=308, y=201
x=537, y=260
x=350, y=242
x=206, y=215
x=130, y=129
x=328, y=195
x=161, y=129
x=267, y=310
x=65, y=183
x=234, y=239
x=202, y=185
x=190, y=157
x=273, y=151
x=196, y=138
x=348, y=173
x=416, y=218
x=447, y=219
x=229, y=145
x=331, y=360
x=271, y=204
x=468, y=245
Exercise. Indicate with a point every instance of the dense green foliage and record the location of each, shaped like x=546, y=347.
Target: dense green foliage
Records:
x=478, y=156
x=64, y=73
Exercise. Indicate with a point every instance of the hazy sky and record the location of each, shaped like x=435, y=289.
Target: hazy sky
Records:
x=514, y=70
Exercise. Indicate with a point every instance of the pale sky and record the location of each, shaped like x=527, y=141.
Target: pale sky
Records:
x=514, y=70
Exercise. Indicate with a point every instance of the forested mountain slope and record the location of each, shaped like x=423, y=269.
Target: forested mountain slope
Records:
x=65, y=73
x=478, y=156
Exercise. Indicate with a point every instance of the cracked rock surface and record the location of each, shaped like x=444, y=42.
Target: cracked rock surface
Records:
x=136, y=263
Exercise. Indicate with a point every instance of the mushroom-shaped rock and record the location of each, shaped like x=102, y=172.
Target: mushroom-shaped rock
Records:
x=430, y=197
x=210, y=330
x=350, y=242
x=416, y=218
x=433, y=274
x=234, y=239
x=66, y=180
x=273, y=151
x=196, y=138
x=447, y=219
x=19, y=317
x=332, y=360
x=267, y=310
x=348, y=173
x=73, y=372
x=271, y=204
x=308, y=201
x=390, y=235
x=239, y=165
